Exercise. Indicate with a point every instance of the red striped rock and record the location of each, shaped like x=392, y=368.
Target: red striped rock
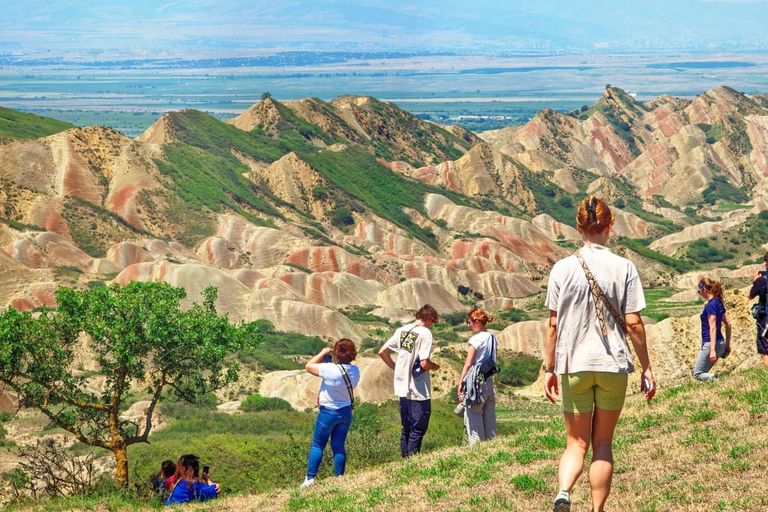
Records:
x=28, y=254
x=554, y=229
x=484, y=255
x=247, y=276
x=290, y=314
x=519, y=236
x=216, y=251
x=262, y=246
x=161, y=249
x=126, y=254
x=414, y=293
x=336, y=259
x=334, y=289
x=381, y=236
x=62, y=253
x=528, y=337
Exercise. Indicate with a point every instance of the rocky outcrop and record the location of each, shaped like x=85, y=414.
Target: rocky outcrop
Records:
x=414, y=293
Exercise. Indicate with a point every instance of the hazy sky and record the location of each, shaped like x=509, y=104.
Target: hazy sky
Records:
x=152, y=28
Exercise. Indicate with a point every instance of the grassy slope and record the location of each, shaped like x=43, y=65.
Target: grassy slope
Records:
x=697, y=447
x=20, y=125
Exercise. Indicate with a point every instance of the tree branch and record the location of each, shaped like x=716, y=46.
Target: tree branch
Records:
x=143, y=438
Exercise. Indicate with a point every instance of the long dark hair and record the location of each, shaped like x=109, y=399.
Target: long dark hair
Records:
x=188, y=468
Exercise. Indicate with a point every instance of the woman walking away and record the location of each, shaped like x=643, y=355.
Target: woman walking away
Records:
x=712, y=318
x=336, y=400
x=476, y=391
x=595, y=298
x=188, y=486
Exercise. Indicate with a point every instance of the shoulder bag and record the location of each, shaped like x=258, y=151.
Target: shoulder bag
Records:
x=349, y=386
x=599, y=298
x=489, y=366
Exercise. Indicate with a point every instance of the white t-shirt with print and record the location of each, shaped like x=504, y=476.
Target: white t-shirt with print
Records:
x=333, y=391
x=411, y=341
x=580, y=343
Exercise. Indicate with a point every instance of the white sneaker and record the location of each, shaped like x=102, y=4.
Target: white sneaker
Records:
x=308, y=482
x=562, y=502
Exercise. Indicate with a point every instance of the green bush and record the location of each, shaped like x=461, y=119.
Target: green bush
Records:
x=701, y=252
x=517, y=369
x=257, y=403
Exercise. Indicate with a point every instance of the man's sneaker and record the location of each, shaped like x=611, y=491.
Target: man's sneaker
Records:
x=562, y=502
x=308, y=482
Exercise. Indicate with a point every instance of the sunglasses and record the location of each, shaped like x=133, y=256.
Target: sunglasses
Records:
x=702, y=285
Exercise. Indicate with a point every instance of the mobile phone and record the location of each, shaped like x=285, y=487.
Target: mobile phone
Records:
x=206, y=470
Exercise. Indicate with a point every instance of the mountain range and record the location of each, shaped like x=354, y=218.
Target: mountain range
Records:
x=306, y=213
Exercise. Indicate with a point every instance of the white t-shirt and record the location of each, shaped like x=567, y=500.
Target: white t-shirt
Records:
x=411, y=341
x=484, y=345
x=580, y=343
x=333, y=390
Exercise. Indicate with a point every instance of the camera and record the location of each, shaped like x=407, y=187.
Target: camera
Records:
x=459, y=410
x=327, y=358
x=763, y=272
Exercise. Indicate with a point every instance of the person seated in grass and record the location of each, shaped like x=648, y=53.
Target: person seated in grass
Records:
x=163, y=479
x=188, y=486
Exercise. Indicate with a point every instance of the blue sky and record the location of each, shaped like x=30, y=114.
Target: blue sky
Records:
x=148, y=28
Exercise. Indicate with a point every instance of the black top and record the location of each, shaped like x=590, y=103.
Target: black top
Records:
x=759, y=289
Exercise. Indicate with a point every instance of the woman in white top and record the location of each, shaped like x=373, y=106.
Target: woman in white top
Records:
x=590, y=295
x=335, y=400
x=479, y=418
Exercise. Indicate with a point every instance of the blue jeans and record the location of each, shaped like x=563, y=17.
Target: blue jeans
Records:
x=333, y=424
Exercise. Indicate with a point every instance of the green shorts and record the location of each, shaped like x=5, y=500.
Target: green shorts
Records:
x=583, y=391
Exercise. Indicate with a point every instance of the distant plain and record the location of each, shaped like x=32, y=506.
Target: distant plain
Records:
x=494, y=91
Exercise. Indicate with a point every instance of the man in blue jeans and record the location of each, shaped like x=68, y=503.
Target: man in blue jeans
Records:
x=413, y=344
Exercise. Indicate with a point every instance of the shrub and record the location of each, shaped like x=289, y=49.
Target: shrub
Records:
x=256, y=403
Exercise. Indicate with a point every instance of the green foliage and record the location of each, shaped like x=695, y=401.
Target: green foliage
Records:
x=641, y=248
x=720, y=189
x=341, y=217
x=67, y=271
x=320, y=193
x=20, y=125
x=713, y=132
x=20, y=225
x=255, y=452
x=140, y=338
x=701, y=252
x=257, y=403
x=272, y=353
x=358, y=174
x=517, y=369
x=203, y=179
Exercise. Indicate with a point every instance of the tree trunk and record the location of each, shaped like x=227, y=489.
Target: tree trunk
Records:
x=121, y=465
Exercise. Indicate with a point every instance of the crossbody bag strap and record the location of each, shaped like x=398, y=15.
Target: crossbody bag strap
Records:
x=349, y=385
x=600, y=298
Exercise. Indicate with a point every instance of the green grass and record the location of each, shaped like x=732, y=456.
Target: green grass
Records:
x=20, y=125
x=640, y=247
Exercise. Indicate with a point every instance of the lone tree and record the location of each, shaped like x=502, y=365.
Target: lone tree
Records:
x=141, y=340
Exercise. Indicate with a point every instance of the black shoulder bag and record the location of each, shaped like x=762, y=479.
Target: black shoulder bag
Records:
x=349, y=386
x=489, y=366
